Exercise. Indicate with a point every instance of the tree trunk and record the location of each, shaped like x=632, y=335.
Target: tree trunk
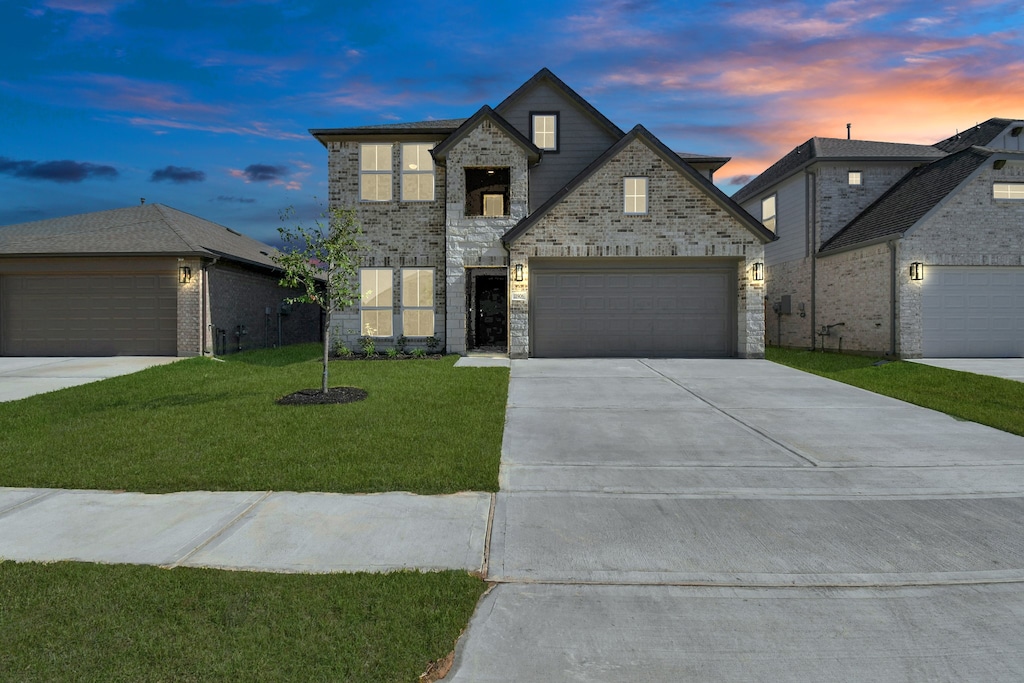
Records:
x=327, y=345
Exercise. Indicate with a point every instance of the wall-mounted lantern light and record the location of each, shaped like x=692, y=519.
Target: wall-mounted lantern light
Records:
x=758, y=271
x=519, y=272
x=916, y=270
x=184, y=275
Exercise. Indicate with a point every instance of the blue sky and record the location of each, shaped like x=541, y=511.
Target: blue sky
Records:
x=205, y=106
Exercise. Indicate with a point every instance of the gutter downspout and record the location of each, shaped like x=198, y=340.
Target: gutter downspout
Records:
x=892, y=297
x=204, y=315
x=508, y=298
x=812, y=222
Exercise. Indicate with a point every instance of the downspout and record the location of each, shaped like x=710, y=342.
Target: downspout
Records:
x=205, y=314
x=508, y=299
x=812, y=208
x=892, y=297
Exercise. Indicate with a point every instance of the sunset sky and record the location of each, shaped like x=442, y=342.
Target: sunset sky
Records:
x=205, y=105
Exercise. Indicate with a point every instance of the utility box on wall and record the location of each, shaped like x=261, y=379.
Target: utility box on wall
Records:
x=786, y=305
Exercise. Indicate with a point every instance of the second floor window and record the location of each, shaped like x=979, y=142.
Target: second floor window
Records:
x=636, y=195
x=854, y=178
x=374, y=172
x=417, y=172
x=545, y=130
x=1008, y=190
x=768, y=212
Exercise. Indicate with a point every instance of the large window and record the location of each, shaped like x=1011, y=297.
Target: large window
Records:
x=417, y=172
x=545, y=130
x=374, y=172
x=635, y=193
x=418, y=302
x=1008, y=190
x=375, y=302
x=768, y=212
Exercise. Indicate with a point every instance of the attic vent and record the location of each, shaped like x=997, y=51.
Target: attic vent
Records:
x=1016, y=131
x=233, y=232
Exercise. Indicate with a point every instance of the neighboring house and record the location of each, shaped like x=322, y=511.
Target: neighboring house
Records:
x=539, y=228
x=142, y=281
x=904, y=250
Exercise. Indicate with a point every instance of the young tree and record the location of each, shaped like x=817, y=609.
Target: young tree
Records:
x=323, y=262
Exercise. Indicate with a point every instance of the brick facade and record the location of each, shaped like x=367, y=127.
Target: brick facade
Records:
x=190, y=313
x=854, y=296
x=682, y=221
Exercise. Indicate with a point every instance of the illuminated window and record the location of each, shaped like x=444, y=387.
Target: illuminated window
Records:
x=418, y=302
x=375, y=173
x=375, y=302
x=854, y=177
x=494, y=205
x=417, y=173
x=768, y=212
x=1008, y=190
x=545, y=130
x=635, y=195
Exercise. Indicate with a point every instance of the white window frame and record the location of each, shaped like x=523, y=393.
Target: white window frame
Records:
x=415, y=169
x=634, y=195
x=855, y=178
x=375, y=168
x=543, y=138
x=1008, y=190
x=768, y=214
x=414, y=303
x=375, y=308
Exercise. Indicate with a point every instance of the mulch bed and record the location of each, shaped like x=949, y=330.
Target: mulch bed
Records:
x=315, y=397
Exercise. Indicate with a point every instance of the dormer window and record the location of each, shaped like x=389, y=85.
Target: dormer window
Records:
x=544, y=130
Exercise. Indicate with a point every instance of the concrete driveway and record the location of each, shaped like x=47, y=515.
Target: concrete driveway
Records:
x=1007, y=368
x=23, y=377
x=695, y=520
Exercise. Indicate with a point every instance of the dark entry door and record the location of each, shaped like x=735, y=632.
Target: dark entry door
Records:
x=491, y=311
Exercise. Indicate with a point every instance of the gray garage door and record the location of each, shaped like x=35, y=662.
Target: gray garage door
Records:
x=636, y=310
x=972, y=312
x=89, y=315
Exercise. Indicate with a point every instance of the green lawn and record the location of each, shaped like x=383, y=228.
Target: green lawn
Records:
x=81, y=622
x=203, y=424
x=991, y=401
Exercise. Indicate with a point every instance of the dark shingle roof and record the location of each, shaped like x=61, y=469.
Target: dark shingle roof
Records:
x=980, y=135
x=151, y=229
x=833, y=149
x=440, y=127
x=641, y=133
x=906, y=202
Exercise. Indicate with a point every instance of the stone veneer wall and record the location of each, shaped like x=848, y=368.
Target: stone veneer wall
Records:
x=475, y=240
x=682, y=221
x=190, y=303
x=969, y=229
x=396, y=234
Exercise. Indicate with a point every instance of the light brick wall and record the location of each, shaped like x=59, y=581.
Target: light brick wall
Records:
x=682, y=221
x=969, y=229
x=474, y=240
x=396, y=234
x=190, y=302
x=839, y=202
x=792, y=329
x=854, y=289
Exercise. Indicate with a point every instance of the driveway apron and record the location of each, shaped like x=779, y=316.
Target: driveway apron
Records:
x=730, y=519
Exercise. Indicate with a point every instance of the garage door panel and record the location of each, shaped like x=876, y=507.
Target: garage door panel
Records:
x=89, y=315
x=668, y=312
x=973, y=311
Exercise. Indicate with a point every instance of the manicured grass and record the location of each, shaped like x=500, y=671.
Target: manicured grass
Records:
x=203, y=424
x=991, y=401
x=81, y=622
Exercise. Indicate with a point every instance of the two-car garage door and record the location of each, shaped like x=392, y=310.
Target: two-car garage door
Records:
x=975, y=311
x=632, y=308
x=93, y=314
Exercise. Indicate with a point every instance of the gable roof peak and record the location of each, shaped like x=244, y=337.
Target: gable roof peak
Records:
x=545, y=74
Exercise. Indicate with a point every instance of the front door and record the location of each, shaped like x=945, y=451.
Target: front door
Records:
x=490, y=313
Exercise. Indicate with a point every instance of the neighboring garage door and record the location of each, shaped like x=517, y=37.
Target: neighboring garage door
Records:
x=123, y=314
x=972, y=312
x=592, y=308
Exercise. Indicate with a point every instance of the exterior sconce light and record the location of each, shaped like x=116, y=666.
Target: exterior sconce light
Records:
x=184, y=275
x=519, y=272
x=916, y=270
x=758, y=271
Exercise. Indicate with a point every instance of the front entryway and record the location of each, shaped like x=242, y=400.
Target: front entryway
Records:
x=487, y=324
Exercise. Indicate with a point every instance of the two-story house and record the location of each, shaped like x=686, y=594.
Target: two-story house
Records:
x=898, y=249
x=540, y=228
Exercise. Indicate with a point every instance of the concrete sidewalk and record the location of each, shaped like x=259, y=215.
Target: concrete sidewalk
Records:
x=259, y=531
x=24, y=377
